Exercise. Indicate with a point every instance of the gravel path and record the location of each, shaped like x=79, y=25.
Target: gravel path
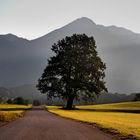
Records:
x=38, y=124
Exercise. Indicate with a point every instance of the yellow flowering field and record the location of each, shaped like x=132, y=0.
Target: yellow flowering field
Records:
x=9, y=112
x=6, y=116
x=14, y=107
x=107, y=116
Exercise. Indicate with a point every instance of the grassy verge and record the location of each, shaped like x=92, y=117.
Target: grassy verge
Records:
x=128, y=107
x=7, y=116
x=10, y=112
x=125, y=125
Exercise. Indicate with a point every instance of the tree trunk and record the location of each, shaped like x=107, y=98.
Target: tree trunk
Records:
x=70, y=102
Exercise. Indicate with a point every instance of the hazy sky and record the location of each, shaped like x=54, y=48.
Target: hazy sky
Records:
x=34, y=18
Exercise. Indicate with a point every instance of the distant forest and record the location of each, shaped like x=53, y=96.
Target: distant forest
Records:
x=30, y=93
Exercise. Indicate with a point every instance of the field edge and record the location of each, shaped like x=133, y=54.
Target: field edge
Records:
x=110, y=131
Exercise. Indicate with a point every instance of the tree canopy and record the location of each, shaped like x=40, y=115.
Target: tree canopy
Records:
x=75, y=68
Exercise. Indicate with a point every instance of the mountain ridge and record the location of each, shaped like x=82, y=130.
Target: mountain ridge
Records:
x=23, y=63
x=78, y=19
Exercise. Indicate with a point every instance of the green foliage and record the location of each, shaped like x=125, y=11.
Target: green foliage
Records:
x=10, y=101
x=18, y=100
x=137, y=97
x=1, y=100
x=75, y=68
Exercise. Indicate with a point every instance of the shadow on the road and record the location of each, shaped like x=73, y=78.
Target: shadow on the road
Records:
x=111, y=110
x=106, y=110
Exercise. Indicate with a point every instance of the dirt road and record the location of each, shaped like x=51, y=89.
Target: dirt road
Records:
x=38, y=124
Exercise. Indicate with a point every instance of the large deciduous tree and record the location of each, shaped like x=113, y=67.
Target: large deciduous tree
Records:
x=75, y=68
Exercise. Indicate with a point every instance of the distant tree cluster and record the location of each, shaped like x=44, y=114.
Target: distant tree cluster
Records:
x=18, y=100
x=137, y=97
x=1, y=99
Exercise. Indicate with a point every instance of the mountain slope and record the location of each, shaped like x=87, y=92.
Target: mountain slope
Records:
x=23, y=61
x=28, y=92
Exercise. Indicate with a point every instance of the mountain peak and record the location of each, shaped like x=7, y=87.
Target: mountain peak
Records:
x=81, y=24
x=10, y=34
x=12, y=37
x=85, y=20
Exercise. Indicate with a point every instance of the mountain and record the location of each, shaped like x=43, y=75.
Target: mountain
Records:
x=115, y=98
x=28, y=92
x=22, y=61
